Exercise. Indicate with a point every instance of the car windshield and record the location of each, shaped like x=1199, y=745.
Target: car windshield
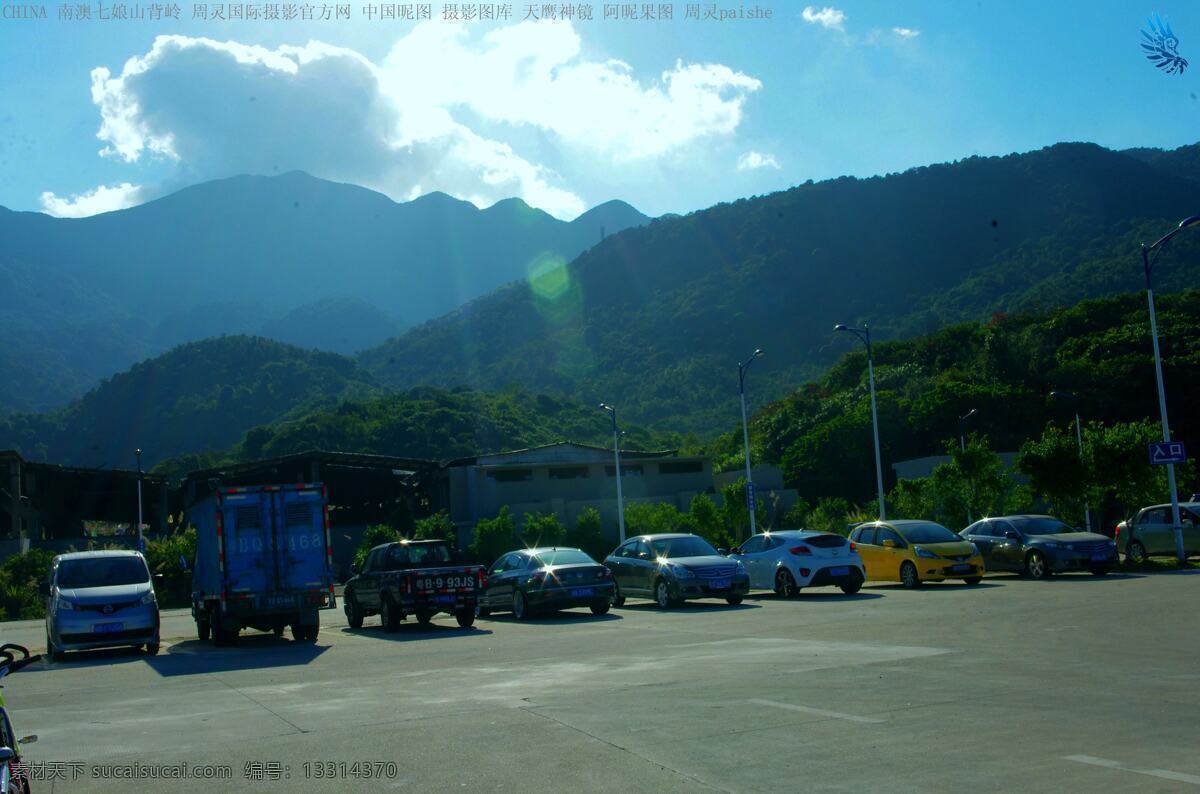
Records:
x=102, y=572
x=690, y=546
x=929, y=533
x=1041, y=526
x=403, y=554
x=563, y=557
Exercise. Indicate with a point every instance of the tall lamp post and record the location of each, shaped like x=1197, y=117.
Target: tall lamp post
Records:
x=962, y=444
x=864, y=336
x=1066, y=395
x=138, y=452
x=617, y=460
x=742, y=369
x=1148, y=268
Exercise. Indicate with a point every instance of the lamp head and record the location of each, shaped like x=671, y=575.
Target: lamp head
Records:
x=969, y=414
x=758, y=352
x=1191, y=221
x=840, y=327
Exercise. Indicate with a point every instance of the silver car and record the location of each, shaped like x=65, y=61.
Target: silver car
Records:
x=100, y=599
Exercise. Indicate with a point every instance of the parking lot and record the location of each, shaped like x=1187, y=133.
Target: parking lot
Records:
x=1078, y=683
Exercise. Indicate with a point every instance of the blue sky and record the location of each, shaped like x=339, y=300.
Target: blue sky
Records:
x=670, y=116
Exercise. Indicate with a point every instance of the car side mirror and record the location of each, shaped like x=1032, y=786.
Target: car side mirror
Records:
x=158, y=578
x=889, y=544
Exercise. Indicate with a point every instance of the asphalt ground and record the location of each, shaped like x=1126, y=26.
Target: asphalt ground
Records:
x=1074, y=684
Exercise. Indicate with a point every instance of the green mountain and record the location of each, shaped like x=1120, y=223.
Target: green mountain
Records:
x=655, y=318
x=1005, y=368
x=197, y=398
x=255, y=254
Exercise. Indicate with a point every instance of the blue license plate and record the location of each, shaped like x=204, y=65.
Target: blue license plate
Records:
x=582, y=592
x=719, y=584
x=109, y=628
x=843, y=571
x=960, y=568
x=1100, y=556
x=445, y=599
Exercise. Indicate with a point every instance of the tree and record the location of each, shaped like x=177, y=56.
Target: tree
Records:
x=494, y=536
x=736, y=514
x=543, y=529
x=372, y=537
x=1122, y=478
x=646, y=517
x=587, y=536
x=829, y=516
x=1056, y=472
x=705, y=519
x=436, y=527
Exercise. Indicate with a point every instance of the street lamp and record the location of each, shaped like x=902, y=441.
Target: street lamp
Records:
x=962, y=444
x=742, y=368
x=138, y=453
x=617, y=460
x=1148, y=268
x=864, y=336
x=1066, y=395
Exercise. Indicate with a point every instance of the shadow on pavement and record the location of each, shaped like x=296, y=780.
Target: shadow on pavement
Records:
x=1069, y=577
x=824, y=596
x=412, y=631
x=555, y=618
x=950, y=585
x=252, y=651
x=104, y=657
x=688, y=606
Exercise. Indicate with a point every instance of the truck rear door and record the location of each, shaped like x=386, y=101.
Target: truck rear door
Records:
x=247, y=542
x=303, y=555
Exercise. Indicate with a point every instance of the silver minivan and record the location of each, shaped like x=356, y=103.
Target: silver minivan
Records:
x=100, y=599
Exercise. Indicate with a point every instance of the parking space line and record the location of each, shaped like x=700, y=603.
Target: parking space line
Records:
x=1165, y=774
x=837, y=715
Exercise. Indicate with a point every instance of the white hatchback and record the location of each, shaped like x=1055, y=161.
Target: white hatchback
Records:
x=790, y=560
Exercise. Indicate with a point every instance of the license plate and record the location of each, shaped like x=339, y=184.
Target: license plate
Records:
x=582, y=592
x=960, y=568
x=446, y=599
x=839, y=571
x=280, y=601
x=109, y=628
x=1100, y=556
x=444, y=582
x=719, y=584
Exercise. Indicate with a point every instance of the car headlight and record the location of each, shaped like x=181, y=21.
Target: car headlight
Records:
x=149, y=598
x=926, y=553
x=63, y=605
x=681, y=571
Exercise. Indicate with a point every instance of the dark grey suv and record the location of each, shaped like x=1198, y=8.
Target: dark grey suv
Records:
x=1040, y=546
x=671, y=568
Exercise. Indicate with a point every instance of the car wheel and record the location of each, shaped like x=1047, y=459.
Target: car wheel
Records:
x=424, y=618
x=482, y=612
x=203, y=630
x=278, y=630
x=973, y=579
x=1099, y=572
x=152, y=648
x=1135, y=552
x=465, y=618
x=1036, y=565
x=600, y=608
x=354, y=613
x=618, y=600
x=850, y=588
x=54, y=653
x=388, y=616
x=909, y=576
x=733, y=600
x=785, y=584
x=518, y=605
x=662, y=595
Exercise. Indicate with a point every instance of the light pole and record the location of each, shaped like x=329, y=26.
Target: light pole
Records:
x=617, y=460
x=742, y=368
x=138, y=453
x=1148, y=268
x=864, y=336
x=962, y=444
x=1066, y=395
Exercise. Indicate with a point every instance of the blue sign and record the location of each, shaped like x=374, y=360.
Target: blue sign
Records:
x=1163, y=452
x=750, y=496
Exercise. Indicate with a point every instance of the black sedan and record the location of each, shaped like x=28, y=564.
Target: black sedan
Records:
x=1040, y=546
x=673, y=568
x=529, y=580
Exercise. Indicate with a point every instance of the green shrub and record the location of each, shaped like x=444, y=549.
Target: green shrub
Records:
x=162, y=556
x=587, y=536
x=494, y=536
x=374, y=536
x=436, y=527
x=543, y=530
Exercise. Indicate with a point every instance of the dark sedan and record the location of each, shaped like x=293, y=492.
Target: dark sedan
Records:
x=673, y=568
x=530, y=580
x=1040, y=546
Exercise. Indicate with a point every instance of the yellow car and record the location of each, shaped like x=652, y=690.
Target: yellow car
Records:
x=912, y=552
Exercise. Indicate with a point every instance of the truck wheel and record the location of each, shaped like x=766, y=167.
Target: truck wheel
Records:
x=465, y=618
x=424, y=618
x=222, y=636
x=388, y=616
x=278, y=630
x=203, y=630
x=354, y=613
x=313, y=631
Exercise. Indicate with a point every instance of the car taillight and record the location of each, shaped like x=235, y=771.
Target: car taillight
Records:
x=853, y=546
x=482, y=576
x=604, y=573
x=1117, y=532
x=800, y=550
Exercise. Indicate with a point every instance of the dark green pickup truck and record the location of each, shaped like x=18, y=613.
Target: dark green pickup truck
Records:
x=413, y=577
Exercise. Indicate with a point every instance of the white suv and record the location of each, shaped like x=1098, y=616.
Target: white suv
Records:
x=790, y=560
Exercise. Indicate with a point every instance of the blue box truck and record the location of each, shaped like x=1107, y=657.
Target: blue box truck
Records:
x=263, y=560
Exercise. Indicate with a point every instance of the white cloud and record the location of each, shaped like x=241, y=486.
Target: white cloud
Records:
x=906, y=33
x=92, y=202
x=753, y=160
x=828, y=17
x=404, y=126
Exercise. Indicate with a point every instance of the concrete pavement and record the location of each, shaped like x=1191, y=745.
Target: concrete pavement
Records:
x=1075, y=684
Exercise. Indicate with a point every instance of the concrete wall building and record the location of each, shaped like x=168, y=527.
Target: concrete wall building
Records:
x=768, y=490
x=566, y=479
